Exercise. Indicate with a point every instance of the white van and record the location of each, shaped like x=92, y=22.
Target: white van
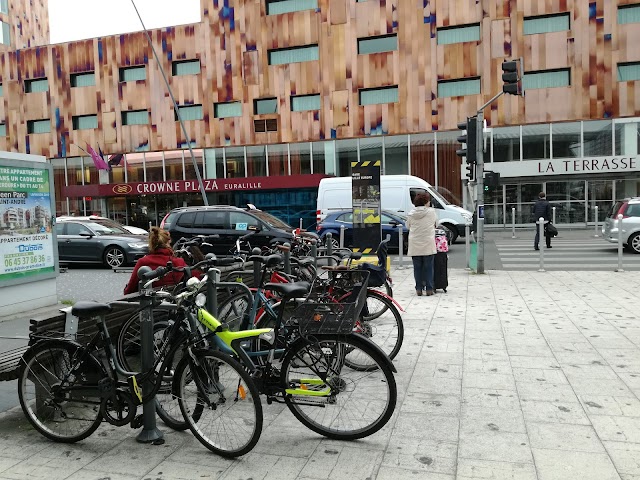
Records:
x=397, y=193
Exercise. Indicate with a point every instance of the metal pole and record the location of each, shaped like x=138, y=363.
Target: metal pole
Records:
x=257, y=270
x=213, y=276
x=513, y=222
x=300, y=224
x=150, y=432
x=314, y=252
x=467, y=245
x=619, y=269
x=342, y=228
x=596, y=232
x=287, y=259
x=328, y=242
x=541, y=242
x=553, y=215
x=480, y=189
x=400, y=249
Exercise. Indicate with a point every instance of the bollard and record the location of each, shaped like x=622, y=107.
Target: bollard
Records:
x=213, y=277
x=150, y=432
x=342, y=227
x=619, y=269
x=257, y=273
x=314, y=252
x=541, y=242
x=287, y=259
x=596, y=230
x=400, y=249
x=300, y=224
x=328, y=240
x=553, y=215
x=513, y=222
x=467, y=245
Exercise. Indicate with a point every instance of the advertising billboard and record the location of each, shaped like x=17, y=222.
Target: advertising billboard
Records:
x=27, y=242
x=365, y=181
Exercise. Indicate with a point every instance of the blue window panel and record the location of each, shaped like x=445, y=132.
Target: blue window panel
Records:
x=85, y=122
x=135, y=117
x=546, y=24
x=375, y=96
x=190, y=112
x=4, y=6
x=39, y=126
x=466, y=33
x=301, y=103
x=276, y=7
x=227, y=109
x=5, y=33
x=36, y=85
x=284, y=56
x=3, y=129
x=1, y=91
x=87, y=79
x=132, y=74
x=387, y=43
x=185, y=67
x=628, y=72
x=549, y=79
x=265, y=106
x=629, y=14
x=459, y=88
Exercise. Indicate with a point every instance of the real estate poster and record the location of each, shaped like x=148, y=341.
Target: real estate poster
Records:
x=26, y=238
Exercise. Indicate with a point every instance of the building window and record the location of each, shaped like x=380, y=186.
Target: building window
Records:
x=459, y=34
x=135, y=117
x=132, y=74
x=39, y=126
x=3, y=129
x=283, y=56
x=190, y=112
x=546, y=24
x=459, y=87
x=4, y=6
x=269, y=125
x=1, y=91
x=265, y=106
x=36, y=85
x=546, y=79
x=375, y=96
x=5, y=34
x=302, y=103
x=384, y=43
x=84, y=122
x=628, y=71
x=185, y=67
x=276, y=7
x=227, y=109
x=87, y=79
x=629, y=14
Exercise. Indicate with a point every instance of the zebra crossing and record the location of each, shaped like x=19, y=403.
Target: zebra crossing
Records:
x=566, y=254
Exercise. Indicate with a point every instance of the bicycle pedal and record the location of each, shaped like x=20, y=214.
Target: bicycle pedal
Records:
x=137, y=421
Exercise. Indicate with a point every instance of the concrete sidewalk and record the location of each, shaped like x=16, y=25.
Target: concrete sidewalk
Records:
x=510, y=375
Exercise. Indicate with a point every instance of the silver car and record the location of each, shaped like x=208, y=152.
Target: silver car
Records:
x=630, y=210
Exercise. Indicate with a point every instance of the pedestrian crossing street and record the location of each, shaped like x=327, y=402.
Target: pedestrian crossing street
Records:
x=566, y=254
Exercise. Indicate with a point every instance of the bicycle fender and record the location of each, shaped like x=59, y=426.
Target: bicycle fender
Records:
x=393, y=300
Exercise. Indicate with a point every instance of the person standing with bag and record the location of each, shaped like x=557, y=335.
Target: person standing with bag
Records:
x=542, y=208
x=422, y=222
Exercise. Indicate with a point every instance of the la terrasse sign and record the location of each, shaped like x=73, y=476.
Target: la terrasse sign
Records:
x=569, y=166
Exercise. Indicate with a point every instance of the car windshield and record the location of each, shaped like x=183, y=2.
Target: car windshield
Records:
x=101, y=227
x=438, y=194
x=271, y=220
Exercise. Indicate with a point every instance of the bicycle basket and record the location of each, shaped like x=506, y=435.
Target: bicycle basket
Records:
x=329, y=317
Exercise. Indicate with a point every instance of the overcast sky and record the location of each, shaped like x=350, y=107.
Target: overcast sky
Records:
x=79, y=19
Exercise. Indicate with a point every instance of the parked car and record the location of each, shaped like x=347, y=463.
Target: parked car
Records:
x=334, y=220
x=97, y=241
x=229, y=223
x=130, y=229
x=630, y=210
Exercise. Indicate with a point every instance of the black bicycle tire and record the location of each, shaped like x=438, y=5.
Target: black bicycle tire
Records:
x=73, y=350
x=188, y=362
x=383, y=365
x=393, y=309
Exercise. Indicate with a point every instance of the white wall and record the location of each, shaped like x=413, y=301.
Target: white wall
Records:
x=28, y=296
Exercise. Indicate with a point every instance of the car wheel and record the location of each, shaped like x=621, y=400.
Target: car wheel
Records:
x=451, y=233
x=114, y=257
x=634, y=243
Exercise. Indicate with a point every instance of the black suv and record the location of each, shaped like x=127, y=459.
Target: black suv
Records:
x=230, y=223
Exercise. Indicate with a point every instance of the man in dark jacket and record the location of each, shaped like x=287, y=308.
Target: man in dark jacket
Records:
x=542, y=208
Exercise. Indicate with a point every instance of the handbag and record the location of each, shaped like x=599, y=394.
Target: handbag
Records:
x=550, y=230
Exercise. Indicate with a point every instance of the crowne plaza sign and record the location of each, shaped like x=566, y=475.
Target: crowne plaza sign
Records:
x=568, y=166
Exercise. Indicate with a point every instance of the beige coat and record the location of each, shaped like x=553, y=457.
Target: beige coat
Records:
x=422, y=223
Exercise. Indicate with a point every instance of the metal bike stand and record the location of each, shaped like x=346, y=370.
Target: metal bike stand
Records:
x=287, y=259
x=213, y=277
x=257, y=271
x=314, y=252
x=150, y=432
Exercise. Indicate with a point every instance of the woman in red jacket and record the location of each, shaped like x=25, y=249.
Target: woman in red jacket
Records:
x=160, y=253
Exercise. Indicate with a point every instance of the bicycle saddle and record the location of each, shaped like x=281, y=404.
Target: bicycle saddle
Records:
x=289, y=290
x=355, y=255
x=269, y=261
x=85, y=309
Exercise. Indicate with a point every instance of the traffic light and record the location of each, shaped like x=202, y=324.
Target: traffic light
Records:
x=510, y=78
x=492, y=179
x=469, y=138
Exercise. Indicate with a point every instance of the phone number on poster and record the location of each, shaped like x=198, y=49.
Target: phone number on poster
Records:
x=21, y=260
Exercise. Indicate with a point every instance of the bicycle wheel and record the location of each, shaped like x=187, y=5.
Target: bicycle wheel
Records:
x=220, y=402
x=385, y=329
x=58, y=394
x=232, y=310
x=329, y=397
x=375, y=310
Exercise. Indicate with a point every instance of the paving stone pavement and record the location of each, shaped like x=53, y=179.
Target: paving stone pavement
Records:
x=508, y=376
